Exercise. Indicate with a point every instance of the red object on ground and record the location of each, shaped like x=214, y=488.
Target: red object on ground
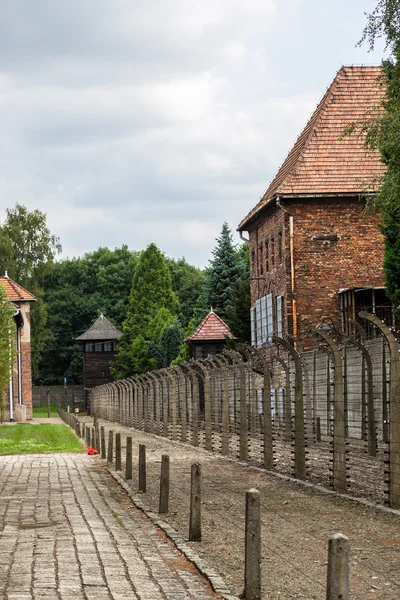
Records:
x=91, y=450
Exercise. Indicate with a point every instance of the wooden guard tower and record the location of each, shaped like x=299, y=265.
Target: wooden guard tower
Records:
x=209, y=337
x=99, y=348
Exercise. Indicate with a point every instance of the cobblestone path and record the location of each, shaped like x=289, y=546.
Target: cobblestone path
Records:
x=68, y=532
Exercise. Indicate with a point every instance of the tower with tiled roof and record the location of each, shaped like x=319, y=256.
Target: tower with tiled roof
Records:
x=99, y=344
x=20, y=388
x=209, y=337
x=313, y=251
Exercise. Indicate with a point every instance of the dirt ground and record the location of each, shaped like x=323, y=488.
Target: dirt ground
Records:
x=296, y=525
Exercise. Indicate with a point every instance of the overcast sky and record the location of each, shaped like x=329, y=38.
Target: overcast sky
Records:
x=138, y=121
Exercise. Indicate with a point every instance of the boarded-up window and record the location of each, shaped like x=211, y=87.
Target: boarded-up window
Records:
x=266, y=256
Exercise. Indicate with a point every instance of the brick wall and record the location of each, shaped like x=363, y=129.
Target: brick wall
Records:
x=322, y=267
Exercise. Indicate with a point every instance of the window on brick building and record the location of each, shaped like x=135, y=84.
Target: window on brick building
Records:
x=261, y=259
x=272, y=256
x=262, y=321
x=279, y=316
x=253, y=265
x=280, y=247
x=266, y=256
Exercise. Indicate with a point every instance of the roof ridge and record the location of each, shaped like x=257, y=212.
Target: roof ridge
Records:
x=17, y=287
x=310, y=125
x=346, y=98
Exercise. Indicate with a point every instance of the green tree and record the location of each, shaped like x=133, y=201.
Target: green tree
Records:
x=7, y=347
x=151, y=290
x=27, y=252
x=238, y=313
x=77, y=291
x=382, y=131
x=187, y=282
x=224, y=273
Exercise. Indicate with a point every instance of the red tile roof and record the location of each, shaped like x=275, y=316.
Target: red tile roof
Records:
x=15, y=292
x=320, y=162
x=212, y=328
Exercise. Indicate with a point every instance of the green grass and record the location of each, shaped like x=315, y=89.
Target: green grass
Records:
x=24, y=438
x=41, y=411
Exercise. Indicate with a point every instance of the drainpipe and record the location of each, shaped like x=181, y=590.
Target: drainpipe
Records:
x=242, y=237
x=19, y=365
x=10, y=388
x=291, y=252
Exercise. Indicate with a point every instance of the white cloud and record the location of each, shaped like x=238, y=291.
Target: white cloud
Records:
x=135, y=121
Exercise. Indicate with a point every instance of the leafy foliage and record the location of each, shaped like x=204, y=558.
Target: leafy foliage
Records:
x=79, y=290
x=383, y=133
x=27, y=252
x=224, y=273
x=187, y=282
x=151, y=290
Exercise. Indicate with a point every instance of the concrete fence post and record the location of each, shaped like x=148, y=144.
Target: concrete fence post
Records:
x=318, y=429
x=142, y=468
x=299, y=430
x=339, y=448
x=117, y=451
x=195, y=504
x=110, y=446
x=87, y=433
x=394, y=409
x=164, y=486
x=243, y=433
x=252, y=573
x=128, y=458
x=102, y=442
x=337, y=587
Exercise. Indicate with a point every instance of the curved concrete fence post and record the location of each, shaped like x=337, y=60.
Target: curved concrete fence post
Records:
x=207, y=403
x=243, y=432
x=156, y=398
x=339, y=437
x=182, y=401
x=174, y=422
x=394, y=409
x=299, y=430
x=193, y=385
x=307, y=391
x=369, y=392
x=287, y=406
x=224, y=367
x=267, y=414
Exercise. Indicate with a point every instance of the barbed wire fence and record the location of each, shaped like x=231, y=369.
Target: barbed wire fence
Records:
x=329, y=415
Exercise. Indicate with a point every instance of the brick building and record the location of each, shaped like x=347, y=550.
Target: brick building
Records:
x=20, y=388
x=313, y=251
x=99, y=344
x=209, y=337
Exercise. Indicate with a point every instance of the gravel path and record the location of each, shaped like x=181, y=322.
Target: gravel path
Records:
x=296, y=524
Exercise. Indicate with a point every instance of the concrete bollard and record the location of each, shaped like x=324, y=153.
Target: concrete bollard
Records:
x=142, y=468
x=318, y=429
x=102, y=443
x=164, y=485
x=252, y=573
x=93, y=436
x=110, y=451
x=337, y=587
x=128, y=458
x=195, y=504
x=87, y=432
x=117, y=451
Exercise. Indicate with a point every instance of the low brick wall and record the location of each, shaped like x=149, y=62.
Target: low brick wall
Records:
x=72, y=395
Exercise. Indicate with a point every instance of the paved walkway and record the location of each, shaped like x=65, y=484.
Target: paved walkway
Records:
x=70, y=533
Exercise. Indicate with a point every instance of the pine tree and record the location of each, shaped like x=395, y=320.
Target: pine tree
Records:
x=238, y=313
x=223, y=273
x=151, y=290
